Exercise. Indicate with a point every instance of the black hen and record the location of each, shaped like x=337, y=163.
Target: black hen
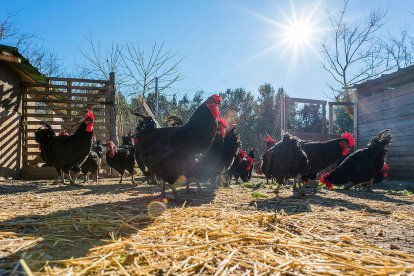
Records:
x=364, y=165
x=285, y=159
x=92, y=164
x=323, y=154
x=66, y=152
x=242, y=166
x=121, y=159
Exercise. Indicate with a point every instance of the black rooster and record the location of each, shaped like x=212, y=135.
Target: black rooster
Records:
x=68, y=151
x=168, y=152
x=363, y=165
x=218, y=159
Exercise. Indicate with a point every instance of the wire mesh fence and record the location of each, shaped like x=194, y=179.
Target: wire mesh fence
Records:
x=253, y=117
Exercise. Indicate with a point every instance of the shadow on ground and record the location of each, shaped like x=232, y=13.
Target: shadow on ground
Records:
x=73, y=232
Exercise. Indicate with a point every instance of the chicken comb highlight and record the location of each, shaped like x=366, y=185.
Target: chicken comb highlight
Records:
x=90, y=115
x=349, y=137
x=269, y=139
x=223, y=122
x=385, y=169
x=216, y=98
x=325, y=181
x=323, y=177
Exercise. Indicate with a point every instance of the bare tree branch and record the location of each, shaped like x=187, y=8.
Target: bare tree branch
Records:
x=352, y=52
x=143, y=68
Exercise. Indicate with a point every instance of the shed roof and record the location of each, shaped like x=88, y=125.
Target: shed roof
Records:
x=11, y=57
x=397, y=78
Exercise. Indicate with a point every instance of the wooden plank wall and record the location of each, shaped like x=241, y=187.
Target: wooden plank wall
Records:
x=10, y=158
x=62, y=103
x=393, y=109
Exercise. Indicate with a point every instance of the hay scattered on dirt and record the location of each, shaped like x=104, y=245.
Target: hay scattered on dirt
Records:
x=213, y=241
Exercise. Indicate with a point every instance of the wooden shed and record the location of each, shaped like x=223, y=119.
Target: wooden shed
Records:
x=29, y=98
x=14, y=70
x=388, y=102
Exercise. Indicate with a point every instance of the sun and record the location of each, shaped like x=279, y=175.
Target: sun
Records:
x=298, y=33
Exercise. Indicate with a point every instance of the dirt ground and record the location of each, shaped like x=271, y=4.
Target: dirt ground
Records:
x=36, y=216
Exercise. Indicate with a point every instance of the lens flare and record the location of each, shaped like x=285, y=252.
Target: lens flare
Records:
x=180, y=182
x=157, y=208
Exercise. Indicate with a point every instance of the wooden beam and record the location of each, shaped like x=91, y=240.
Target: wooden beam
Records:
x=355, y=99
x=77, y=80
x=306, y=101
x=331, y=125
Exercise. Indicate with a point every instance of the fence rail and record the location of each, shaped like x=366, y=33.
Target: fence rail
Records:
x=62, y=104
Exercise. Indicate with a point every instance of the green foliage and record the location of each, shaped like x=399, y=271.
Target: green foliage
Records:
x=403, y=192
x=259, y=195
x=343, y=121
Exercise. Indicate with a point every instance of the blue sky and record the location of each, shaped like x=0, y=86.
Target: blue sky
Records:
x=219, y=39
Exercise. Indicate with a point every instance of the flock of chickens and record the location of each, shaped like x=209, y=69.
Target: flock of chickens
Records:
x=206, y=148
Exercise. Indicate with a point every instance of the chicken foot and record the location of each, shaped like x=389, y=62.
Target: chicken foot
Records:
x=133, y=181
x=86, y=178
x=299, y=191
x=71, y=180
x=176, y=197
x=369, y=185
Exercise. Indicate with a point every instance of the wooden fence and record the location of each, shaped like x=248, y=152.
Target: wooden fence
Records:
x=323, y=134
x=62, y=103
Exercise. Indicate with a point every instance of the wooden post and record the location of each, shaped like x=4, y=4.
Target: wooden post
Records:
x=112, y=124
x=324, y=118
x=67, y=125
x=282, y=115
x=331, y=125
x=286, y=116
x=355, y=100
x=112, y=98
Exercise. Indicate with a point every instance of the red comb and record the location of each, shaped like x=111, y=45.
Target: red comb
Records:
x=386, y=167
x=216, y=98
x=323, y=176
x=90, y=115
x=327, y=183
x=269, y=139
x=349, y=137
x=243, y=153
x=222, y=121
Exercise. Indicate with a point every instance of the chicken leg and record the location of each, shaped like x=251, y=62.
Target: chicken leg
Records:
x=369, y=185
x=163, y=190
x=71, y=180
x=133, y=181
x=122, y=175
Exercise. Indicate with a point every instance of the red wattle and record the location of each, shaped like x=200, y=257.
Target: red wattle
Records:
x=89, y=127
